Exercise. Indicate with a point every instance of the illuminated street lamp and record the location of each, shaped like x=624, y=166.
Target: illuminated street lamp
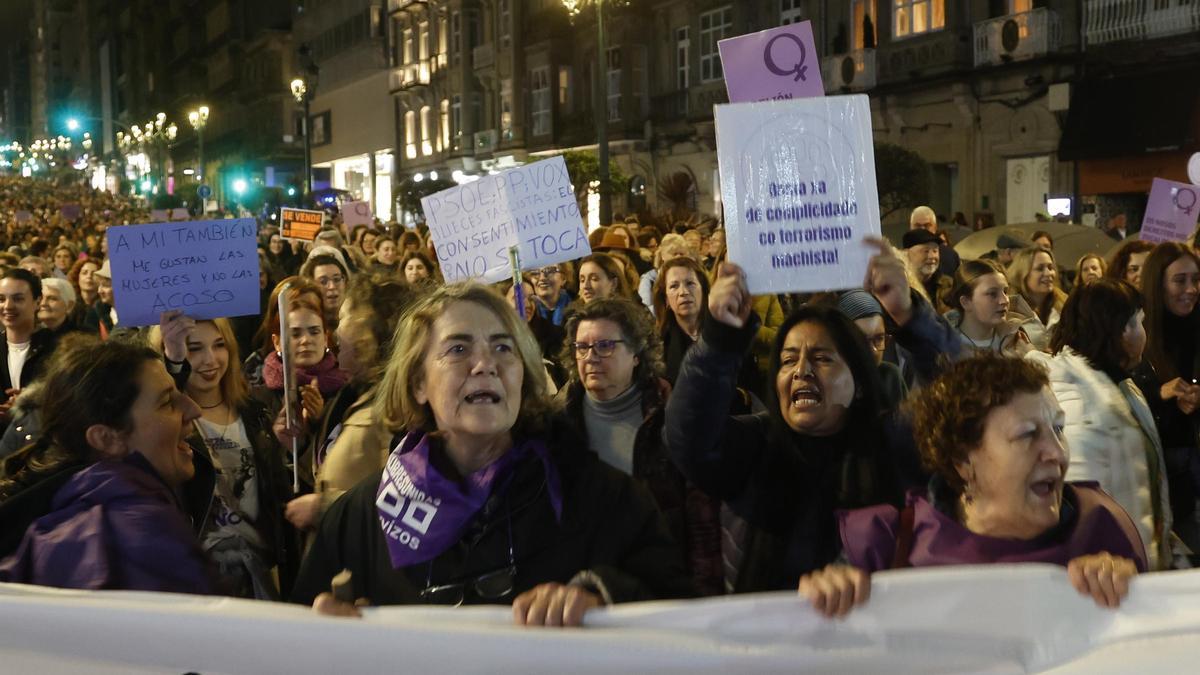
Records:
x=199, y=119
x=574, y=7
x=300, y=93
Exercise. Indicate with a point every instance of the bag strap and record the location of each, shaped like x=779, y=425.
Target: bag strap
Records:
x=904, y=538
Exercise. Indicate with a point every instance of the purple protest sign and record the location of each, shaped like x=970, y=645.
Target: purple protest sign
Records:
x=357, y=213
x=24, y=216
x=71, y=212
x=779, y=63
x=1171, y=212
x=209, y=269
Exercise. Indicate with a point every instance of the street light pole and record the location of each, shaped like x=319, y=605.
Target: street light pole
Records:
x=600, y=109
x=300, y=93
x=602, y=120
x=199, y=119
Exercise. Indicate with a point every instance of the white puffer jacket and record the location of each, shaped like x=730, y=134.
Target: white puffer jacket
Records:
x=1110, y=433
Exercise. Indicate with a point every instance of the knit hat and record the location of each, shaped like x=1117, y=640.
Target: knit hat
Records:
x=859, y=304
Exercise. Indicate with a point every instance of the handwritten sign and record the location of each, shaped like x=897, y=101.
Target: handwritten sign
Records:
x=208, y=269
x=798, y=184
x=300, y=223
x=532, y=206
x=1171, y=212
x=357, y=213
x=779, y=63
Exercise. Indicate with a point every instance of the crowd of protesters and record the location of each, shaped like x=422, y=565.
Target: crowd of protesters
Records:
x=642, y=427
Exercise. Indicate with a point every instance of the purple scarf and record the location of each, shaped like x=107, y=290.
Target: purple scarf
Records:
x=423, y=513
x=329, y=377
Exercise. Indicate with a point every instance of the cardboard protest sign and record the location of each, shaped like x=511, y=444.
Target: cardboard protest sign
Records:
x=1171, y=212
x=208, y=269
x=798, y=184
x=357, y=213
x=532, y=206
x=779, y=63
x=300, y=224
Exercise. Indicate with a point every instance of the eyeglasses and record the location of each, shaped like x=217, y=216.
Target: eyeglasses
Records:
x=331, y=281
x=545, y=272
x=879, y=342
x=488, y=586
x=604, y=348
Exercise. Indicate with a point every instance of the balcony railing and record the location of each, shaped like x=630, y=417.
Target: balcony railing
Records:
x=410, y=75
x=849, y=72
x=1116, y=20
x=1017, y=37
x=402, y=5
x=484, y=56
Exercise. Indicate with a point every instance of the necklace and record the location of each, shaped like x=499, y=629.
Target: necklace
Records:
x=218, y=404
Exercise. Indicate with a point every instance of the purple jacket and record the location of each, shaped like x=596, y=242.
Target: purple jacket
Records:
x=114, y=525
x=1092, y=522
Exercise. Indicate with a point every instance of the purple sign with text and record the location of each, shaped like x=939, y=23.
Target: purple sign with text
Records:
x=779, y=63
x=1171, y=212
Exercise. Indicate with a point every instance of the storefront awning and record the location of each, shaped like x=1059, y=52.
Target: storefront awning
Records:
x=1132, y=116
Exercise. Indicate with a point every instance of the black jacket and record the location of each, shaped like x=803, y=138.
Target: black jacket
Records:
x=609, y=527
x=783, y=485
x=41, y=346
x=692, y=516
x=274, y=485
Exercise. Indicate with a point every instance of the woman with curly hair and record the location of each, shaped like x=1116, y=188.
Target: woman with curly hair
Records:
x=617, y=396
x=991, y=431
x=1128, y=262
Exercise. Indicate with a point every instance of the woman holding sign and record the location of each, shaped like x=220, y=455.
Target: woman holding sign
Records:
x=243, y=530
x=825, y=441
x=489, y=498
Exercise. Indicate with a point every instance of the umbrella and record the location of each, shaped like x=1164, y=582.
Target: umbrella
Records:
x=1071, y=242
x=894, y=232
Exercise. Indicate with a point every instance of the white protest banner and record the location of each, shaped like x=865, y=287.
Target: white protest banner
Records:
x=208, y=269
x=798, y=185
x=532, y=206
x=980, y=619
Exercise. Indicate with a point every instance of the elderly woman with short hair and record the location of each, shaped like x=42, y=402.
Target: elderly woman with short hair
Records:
x=618, y=396
x=488, y=498
x=991, y=431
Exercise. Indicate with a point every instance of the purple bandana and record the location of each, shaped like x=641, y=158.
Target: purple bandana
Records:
x=423, y=513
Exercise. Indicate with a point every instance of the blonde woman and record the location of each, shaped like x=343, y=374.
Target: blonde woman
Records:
x=1037, y=298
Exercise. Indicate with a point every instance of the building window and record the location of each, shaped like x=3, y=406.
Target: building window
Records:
x=714, y=27
x=614, y=84
x=914, y=17
x=444, y=125
x=539, y=88
x=456, y=129
x=423, y=40
x=682, y=57
x=1022, y=6
x=443, y=40
x=455, y=36
x=406, y=55
x=862, y=27
x=564, y=88
x=790, y=11
x=506, y=109
x=505, y=19
x=426, y=131
x=410, y=134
